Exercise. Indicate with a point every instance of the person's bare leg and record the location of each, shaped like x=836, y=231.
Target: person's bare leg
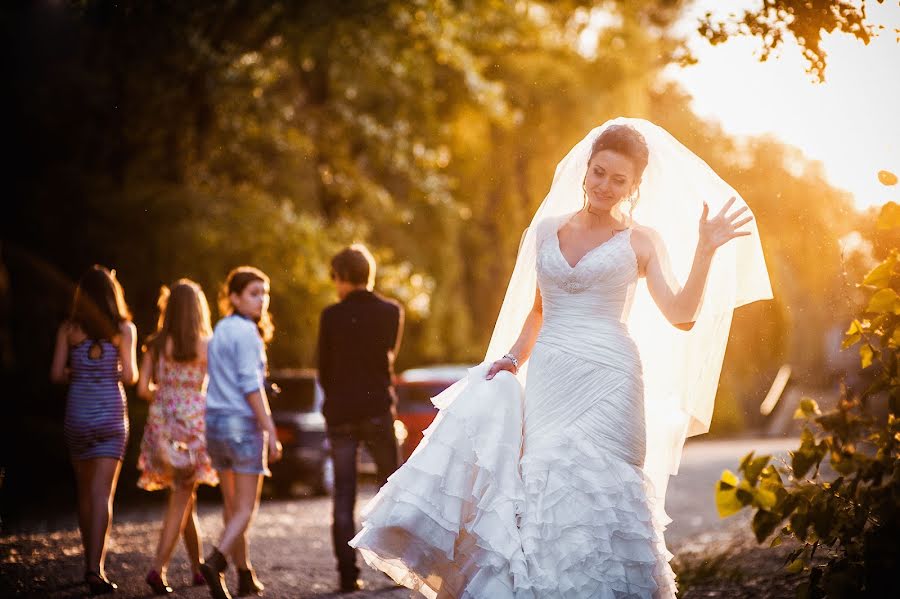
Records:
x=103, y=490
x=214, y=566
x=238, y=553
x=193, y=544
x=226, y=485
x=241, y=551
x=245, y=538
x=83, y=472
x=173, y=523
x=245, y=502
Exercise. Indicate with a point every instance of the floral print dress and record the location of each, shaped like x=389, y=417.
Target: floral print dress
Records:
x=178, y=412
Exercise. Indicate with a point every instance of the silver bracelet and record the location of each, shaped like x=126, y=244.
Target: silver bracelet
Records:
x=514, y=360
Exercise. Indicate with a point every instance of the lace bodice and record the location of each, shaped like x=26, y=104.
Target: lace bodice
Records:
x=585, y=306
x=600, y=285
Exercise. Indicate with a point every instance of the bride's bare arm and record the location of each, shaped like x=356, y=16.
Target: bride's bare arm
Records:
x=680, y=305
x=521, y=349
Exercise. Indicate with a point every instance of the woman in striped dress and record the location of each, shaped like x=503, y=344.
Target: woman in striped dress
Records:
x=95, y=355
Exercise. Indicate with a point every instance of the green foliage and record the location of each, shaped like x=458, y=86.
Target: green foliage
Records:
x=841, y=490
x=196, y=136
x=200, y=135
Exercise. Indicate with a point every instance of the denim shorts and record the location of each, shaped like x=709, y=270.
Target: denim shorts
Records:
x=234, y=442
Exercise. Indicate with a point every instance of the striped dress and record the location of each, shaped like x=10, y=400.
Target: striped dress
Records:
x=96, y=423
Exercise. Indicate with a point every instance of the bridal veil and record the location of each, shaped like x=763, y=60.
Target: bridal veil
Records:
x=681, y=368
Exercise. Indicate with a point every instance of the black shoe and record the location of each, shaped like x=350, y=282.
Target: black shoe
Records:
x=156, y=582
x=248, y=584
x=99, y=585
x=213, y=570
x=350, y=585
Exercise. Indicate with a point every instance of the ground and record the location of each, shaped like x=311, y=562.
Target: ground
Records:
x=291, y=545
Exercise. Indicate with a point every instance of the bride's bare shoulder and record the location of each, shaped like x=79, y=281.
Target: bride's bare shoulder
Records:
x=644, y=235
x=548, y=225
x=645, y=241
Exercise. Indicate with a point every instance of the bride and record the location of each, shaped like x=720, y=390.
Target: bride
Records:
x=544, y=473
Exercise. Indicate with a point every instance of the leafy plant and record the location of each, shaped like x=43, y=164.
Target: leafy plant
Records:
x=839, y=495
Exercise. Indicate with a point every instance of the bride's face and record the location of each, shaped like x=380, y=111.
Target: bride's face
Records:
x=609, y=180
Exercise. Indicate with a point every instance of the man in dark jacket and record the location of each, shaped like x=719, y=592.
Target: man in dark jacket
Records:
x=358, y=339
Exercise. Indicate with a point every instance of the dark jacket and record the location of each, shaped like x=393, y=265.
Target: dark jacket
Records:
x=356, y=336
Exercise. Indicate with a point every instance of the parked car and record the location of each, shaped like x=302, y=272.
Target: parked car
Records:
x=415, y=388
x=297, y=411
x=296, y=402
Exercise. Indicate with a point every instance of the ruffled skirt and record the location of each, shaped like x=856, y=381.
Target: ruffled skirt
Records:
x=475, y=513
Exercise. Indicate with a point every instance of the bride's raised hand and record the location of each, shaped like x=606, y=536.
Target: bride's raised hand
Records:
x=723, y=227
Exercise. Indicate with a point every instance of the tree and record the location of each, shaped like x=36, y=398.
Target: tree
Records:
x=186, y=126
x=774, y=21
x=848, y=512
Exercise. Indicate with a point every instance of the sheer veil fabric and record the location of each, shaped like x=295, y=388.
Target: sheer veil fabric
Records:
x=681, y=368
x=527, y=489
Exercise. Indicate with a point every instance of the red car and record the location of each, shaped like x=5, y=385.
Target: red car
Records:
x=415, y=388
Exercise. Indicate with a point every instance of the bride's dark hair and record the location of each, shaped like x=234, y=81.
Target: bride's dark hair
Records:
x=626, y=141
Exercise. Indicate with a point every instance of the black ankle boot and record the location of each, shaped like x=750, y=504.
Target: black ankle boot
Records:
x=213, y=570
x=248, y=584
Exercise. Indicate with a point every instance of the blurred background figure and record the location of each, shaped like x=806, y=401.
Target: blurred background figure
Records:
x=173, y=449
x=359, y=338
x=240, y=433
x=95, y=355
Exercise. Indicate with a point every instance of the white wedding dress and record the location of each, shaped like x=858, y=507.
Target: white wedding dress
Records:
x=537, y=494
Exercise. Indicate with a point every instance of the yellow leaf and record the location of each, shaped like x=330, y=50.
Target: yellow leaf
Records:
x=895, y=337
x=807, y=409
x=887, y=178
x=729, y=478
x=765, y=498
x=889, y=217
x=853, y=328
x=865, y=355
x=884, y=300
x=880, y=276
x=727, y=502
x=810, y=406
x=850, y=341
x=795, y=566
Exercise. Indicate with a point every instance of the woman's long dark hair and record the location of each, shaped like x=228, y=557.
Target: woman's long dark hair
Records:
x=183, y=318
x=99, y=307
x=236, y=281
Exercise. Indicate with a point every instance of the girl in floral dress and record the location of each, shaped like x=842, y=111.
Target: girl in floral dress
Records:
x=173, y=450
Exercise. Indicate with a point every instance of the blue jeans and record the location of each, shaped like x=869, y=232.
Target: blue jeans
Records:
x=234, y=442
x=378, y=436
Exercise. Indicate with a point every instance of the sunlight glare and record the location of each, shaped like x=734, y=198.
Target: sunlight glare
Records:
x=849, y=123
